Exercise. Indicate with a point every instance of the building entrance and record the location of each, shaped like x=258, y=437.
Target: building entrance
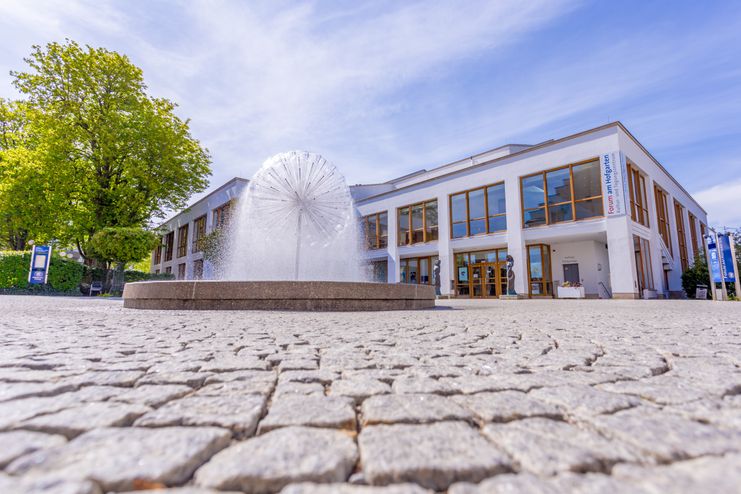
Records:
x=487, y=279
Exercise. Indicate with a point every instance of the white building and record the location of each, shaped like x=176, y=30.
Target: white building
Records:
x=593, y=210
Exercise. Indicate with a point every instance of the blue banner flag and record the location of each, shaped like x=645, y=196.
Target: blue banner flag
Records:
x=726, y=258
x=714, y=259
x=40, y=258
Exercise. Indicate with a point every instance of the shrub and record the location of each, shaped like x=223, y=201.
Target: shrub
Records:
x=131, y=276
x=64, y=275
x=697, y=274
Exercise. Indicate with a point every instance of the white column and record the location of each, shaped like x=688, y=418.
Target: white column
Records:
x=515, y=237
x=445, y=251
x=621, y=253
x=657, y=265
x=675, y=275
x=394, y=274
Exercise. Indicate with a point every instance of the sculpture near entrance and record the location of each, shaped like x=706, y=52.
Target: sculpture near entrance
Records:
x=510, y=276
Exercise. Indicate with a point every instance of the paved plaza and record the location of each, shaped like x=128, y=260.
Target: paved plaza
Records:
x=532, y=396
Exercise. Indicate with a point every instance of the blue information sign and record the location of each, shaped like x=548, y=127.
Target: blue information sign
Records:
x=726, y=258
x=40, y=258
x=714, y=259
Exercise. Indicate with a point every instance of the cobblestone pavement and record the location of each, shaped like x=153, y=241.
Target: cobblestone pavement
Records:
x=479, y=397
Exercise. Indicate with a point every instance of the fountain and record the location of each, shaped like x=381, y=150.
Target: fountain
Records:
x=293, y=244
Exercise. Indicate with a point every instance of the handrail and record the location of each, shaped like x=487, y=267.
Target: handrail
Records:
x=608, y=292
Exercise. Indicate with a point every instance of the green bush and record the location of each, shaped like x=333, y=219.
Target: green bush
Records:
x=64, y=275
x=131, y=276
x=697, y=274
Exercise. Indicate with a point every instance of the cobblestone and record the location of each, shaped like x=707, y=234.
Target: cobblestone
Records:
x=541, y=396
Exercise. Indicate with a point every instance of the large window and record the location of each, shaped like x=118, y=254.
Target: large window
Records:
x=221, y=215
x=376, y=228
x=481, y=274
x=183, y=241
x=169, y=246
x=681, y=236
x=539, y=270
x=418, y=223
x=478, y=211
x=642, y=252
x=572, y=192
x=198, y=269
x=158, y=252
x=417, y=270
x=662, y=217
x=696, y=241
x=638, y=196
x=199, y=232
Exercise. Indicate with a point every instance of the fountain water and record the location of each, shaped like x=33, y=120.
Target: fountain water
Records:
x=295, y=221
x=294, y=244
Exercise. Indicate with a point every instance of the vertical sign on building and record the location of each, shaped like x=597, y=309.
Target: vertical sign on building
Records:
x=613, y=179
x=714, y=259
x=728, y=267
x=40, y=258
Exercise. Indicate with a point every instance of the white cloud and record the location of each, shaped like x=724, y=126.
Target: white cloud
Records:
x=723, y=204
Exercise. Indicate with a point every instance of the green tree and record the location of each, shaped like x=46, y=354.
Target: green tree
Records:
x=121, y=245
x=119, y=156
x=697, y=274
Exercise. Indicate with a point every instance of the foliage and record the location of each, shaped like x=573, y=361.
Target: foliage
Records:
x=213, y=245
x=89, y=148
x=64, y=275
x=122, y=245
x=131, y=276
x=697, y=274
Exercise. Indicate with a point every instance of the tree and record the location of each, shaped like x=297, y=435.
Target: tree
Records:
x=697, y=274
x=121, y=246
x=122, y=156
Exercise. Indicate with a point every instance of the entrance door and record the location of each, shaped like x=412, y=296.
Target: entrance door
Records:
x=477, y=280
x=571, y=273
x=485, y=280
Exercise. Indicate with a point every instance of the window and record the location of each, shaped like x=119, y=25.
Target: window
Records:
x=156, y=271
x=642, y=252
x=638, y=198
x=181, y=271
x=418, y=223
x=696, y=242
x=221, y=215
x=572, y=192
x=662, y=218
x=168, y=270
x=681, y=236
x=198, y=269
x=539, y=270
x=478, y=211
x=183, y=241
x=169, y=246
x=199, y=231
x=376, y=227
x=158, y=252
x=417, y=270
x=481, y=273
x=378, y=271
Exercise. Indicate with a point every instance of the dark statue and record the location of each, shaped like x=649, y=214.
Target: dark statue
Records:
x=436, y=277
x=510, y=276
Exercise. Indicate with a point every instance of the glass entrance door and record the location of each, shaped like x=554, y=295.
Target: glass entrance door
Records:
x=485, y=280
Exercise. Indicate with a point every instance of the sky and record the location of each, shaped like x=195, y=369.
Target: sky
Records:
x=385, y=88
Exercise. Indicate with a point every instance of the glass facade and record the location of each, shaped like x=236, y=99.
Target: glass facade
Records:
x=478, y=211
x=481, y=274
x=418, y=223
x=417, y=270
x=662, y=218
x=376, y=228
x=539, y=270
x=638, y=197
x=572, y=192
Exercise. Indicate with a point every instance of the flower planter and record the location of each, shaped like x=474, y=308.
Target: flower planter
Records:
x=571, y=292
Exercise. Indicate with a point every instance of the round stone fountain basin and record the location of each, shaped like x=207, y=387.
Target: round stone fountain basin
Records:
x=277, y=295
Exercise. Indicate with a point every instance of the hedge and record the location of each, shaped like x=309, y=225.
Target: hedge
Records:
x=64, y=275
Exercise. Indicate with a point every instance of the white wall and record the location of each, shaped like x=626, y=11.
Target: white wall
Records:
x=593, y=261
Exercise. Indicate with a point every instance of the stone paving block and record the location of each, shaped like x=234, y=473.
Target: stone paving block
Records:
x=421, y=385
x=664, y=389
x=585, y=400
x=106, y=378
x=15, y=391
x=192, y=379
x=590, y=483
x=115, y=458
x=314, y=411
x=15, y=411
x=412, y=409
x=502, y=382
x=266, y=379
x=237, y=413
x=433, y=455
x=273, y=460
x=309, y=376
x=298, y=364
x=253, y=386
x=718, y=412
x=73, y=421
x=310, y=488
x=232, y=363
x=295, y=388
x=546, y=447
x=358, y=388
x=18, y=443
x=666, y=436
x=46, y=485
x=152, y=395
x=523, y=483
x=505, y=406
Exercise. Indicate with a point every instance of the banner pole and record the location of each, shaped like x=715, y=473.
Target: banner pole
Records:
x=705, y=239
x=737, y=283
x=719, y=249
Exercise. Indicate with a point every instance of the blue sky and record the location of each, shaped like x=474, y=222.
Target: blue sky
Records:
x=386, y=88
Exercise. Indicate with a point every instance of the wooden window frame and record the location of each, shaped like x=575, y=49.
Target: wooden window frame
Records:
x=696, y=242
x=376, y=218
x=430, y=266
x=638, y=195
x=183, y=241
x=573, y=201
x=467, y=221
x=644, y=275
x=169, y=245
x=547, y=282
x=681, y=236
x=158, y=252
x=410, y=232
x=662, y=217
x=221, y=214
x=198, y=233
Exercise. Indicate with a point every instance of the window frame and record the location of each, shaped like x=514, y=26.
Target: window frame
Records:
x=182, y=249
x=405, y=261
x=638, y=196
x=681, y=235
x=169, y=245
x=199, y=233
x=546, y=206
x=662, y=220
x=377, y=219
x=221, y=214
x=488, y=216
x=410, y=223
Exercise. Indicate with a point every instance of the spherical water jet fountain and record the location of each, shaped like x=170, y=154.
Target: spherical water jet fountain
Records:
x=293, y=244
